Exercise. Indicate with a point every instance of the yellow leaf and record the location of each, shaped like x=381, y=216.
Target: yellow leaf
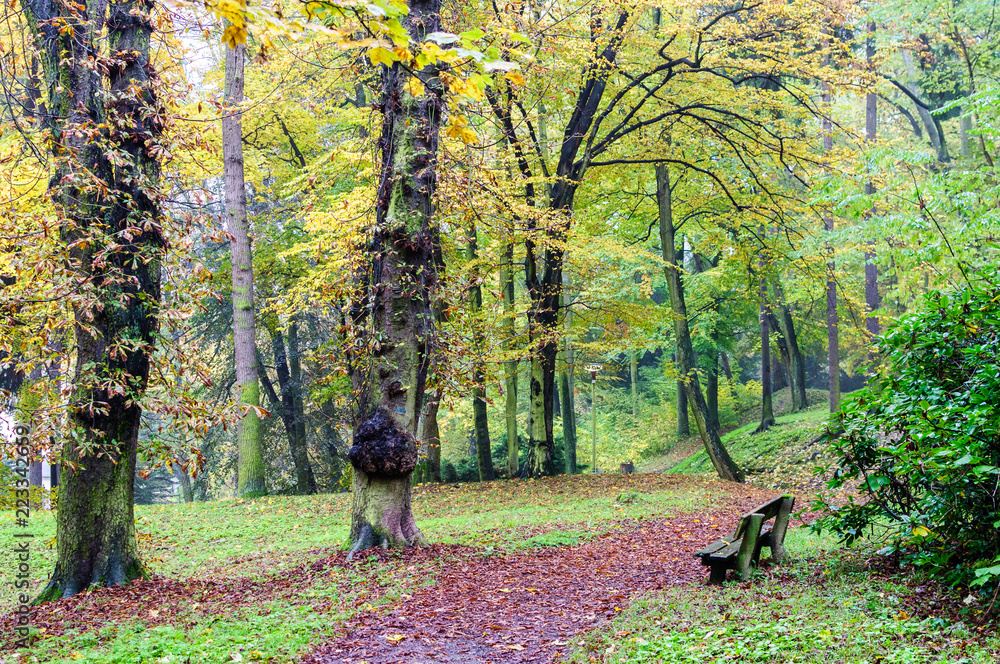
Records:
x=379, y=55
x=414, y=86
x=515, y=77
x=234, y=35
x=395, y=638
x=920, y=531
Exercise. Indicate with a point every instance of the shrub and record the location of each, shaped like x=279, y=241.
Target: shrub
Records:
x=923, y=439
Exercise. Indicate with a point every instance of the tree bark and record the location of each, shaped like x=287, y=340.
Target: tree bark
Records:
x=430, y=436
x=285, y=405
x=566, y=390
x=182, y=476
x=871, y=270
x=796, y=361
x=766, y=409
x=633, y=371
x=683, y=422
x=297, y=389
x=832, y=323
x=723, y=463
x=510, y=366
x=111, y=232
x=397, y=308
x=250, y=457
x=481, y=425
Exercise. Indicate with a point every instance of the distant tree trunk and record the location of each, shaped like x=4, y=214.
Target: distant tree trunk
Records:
x=683, y=422
x=633, y=367
x=832, y=323
x=297, y=389
x=796, y=361
x=510, y=366
x=766, y=410
x=399, y=285
x=871, y=270
x=566, y=392
x=110, y=225
x=481, y=423
x=726, y=368
x=720, y=458
x=430, y=436
x=249, y=449
x=285, y=405
x=712, y=393
x=35, y=473
x=182, y=476
x=54, y=476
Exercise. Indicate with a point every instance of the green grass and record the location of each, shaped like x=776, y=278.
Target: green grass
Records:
x=787, y=442
x=820, y=608
x=260, y=541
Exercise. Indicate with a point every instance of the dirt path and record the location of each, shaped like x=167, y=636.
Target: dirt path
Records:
x=529, y=607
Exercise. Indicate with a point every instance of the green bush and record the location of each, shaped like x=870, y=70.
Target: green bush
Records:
x=923, y=439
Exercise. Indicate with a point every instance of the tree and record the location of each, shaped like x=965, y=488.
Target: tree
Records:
x=397, y=286
x=251, y=459
x=108, y=128
x=686, y=361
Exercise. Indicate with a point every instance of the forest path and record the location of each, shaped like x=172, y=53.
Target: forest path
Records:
x=529, y=607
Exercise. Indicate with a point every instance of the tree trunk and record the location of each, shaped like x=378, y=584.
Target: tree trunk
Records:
x=54, y=476
x=297, y=389
x=766, y=410
x=114, y=244
x=633, y=370
x=481, y=425
x=399, y=285
x=568, y=398
x=796, y=362
x=683, y=423
x=186, y=495
x=720, y=458
x=430, y=436
x=833, y=343
x=871, y=270
x=250, y=458
x=712, y=393
x=285, y=405
x=510, y=366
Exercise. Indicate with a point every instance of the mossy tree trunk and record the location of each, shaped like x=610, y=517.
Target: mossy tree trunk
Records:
x=250, y=461
x=113, y=243
x=686, y=359
x=397, y=309
x=567, y=395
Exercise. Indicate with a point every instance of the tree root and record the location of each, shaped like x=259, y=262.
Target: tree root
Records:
x=764, y=426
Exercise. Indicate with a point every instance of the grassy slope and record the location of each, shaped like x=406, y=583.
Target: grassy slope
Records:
x=784, y=456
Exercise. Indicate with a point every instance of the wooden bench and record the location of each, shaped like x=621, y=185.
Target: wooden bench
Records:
x=741, y=550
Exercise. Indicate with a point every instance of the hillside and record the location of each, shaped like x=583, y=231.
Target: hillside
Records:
x=783, y=457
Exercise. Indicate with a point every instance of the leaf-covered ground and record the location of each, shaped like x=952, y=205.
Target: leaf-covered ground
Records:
x=588, y=568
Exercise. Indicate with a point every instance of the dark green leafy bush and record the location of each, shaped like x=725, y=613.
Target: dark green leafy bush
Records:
x=923, y=439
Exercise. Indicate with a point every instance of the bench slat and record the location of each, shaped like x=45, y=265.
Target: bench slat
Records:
x=712, y=548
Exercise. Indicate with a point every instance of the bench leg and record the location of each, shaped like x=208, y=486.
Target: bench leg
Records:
x=718, y=574
x=748, y=547
x=778, y=553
